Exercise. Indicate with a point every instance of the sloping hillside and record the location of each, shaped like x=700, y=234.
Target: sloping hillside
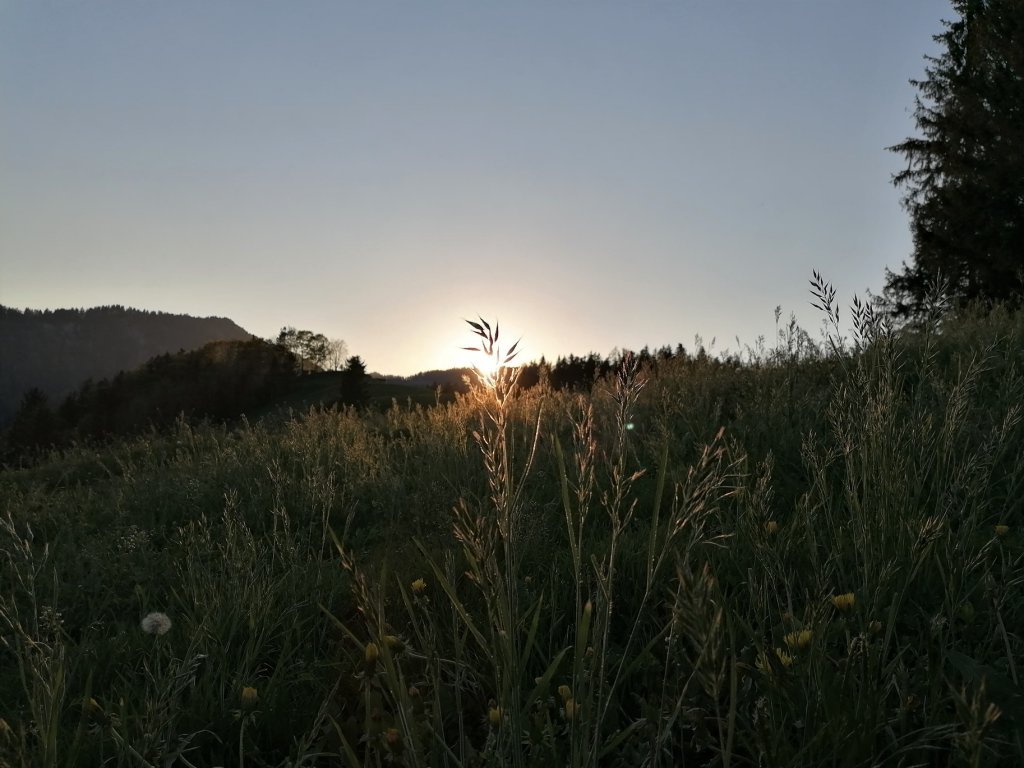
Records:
x=57, y=350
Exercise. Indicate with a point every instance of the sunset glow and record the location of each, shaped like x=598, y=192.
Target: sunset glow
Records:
x=607, y=176
x=486, y=366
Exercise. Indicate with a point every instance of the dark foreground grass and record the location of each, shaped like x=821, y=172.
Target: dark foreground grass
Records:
x=795, y=559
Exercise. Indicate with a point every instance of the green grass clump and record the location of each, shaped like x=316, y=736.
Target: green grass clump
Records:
x=797, y=558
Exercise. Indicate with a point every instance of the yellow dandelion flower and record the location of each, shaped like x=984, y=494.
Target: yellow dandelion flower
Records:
x=565, y=692
x=1001, y=530
x=571, y=708
x=494, y=715
x=418, y=587
x=875, y=626
x=764, y=662
x=394, y=643
x=799, y=639
x=785, y=659
x=370, y=655
x=771, y=527
x=844, y=602
x=249, y=697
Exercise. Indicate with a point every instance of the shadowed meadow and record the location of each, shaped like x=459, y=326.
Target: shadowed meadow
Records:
x=805, y=555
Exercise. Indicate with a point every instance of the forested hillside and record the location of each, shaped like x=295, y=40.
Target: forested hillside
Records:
x=57, y=350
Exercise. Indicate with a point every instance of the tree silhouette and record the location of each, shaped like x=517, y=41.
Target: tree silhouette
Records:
x=964, y=180
x=336, y=355
x=35, y=427
x=354, y=381
x=311, y=349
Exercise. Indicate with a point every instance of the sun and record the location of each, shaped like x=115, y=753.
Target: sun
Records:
x=487, y=357
x=487, y=366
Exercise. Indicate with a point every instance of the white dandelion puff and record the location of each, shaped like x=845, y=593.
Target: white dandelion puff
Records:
x=156, y=624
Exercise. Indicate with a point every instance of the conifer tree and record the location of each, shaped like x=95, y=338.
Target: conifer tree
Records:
x=964, y=180
x=354, y=382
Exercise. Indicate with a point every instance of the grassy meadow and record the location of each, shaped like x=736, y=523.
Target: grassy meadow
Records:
x=807, y=555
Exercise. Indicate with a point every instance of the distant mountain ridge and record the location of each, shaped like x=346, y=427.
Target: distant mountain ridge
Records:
x=450, y=378
x=57, y=350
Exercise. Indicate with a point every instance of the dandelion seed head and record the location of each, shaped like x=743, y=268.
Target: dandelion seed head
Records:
x=156, y=623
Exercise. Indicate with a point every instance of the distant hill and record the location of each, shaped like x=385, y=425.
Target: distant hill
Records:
x=220, y=381
x=452, y=379
x=57, y=350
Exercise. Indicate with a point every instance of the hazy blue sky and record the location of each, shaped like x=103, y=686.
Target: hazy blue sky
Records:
x=595, y=174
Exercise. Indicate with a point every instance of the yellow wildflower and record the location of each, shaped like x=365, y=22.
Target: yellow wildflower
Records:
x=394, y=643
x=494, y=716
x=844, y=602
x=571, y=708
x=370, y=655
x=565, y=692
x=799, y=639
x=418, y=587
x=1001, y=530
x=875, y=626
x=249, y=698
x=771, y=527
x=764, y=663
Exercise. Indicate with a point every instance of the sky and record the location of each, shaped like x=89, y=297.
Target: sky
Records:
x=595, y=175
